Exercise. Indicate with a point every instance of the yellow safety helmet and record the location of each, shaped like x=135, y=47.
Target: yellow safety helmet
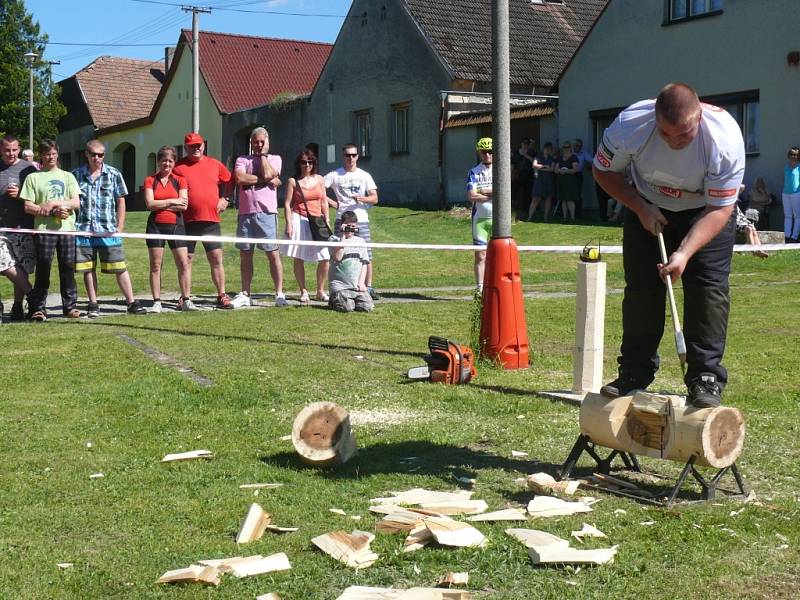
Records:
x=484, y=143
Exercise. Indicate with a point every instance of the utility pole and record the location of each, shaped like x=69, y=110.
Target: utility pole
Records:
x=501, y=122
x=50, y=71
x=503, y=336
x=196, y=10
x=30, y=58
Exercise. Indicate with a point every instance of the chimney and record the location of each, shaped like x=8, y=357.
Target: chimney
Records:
x=169, y=52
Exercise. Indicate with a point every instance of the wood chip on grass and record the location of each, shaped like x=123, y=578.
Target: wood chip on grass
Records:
x=191, y=455
x=546, y=548
x=550, y=506
x=358, y=592
x=350, y=548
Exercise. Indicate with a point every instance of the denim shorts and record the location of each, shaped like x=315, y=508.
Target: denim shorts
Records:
x=258, y=225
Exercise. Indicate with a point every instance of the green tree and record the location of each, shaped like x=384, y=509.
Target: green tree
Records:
x=19, y=34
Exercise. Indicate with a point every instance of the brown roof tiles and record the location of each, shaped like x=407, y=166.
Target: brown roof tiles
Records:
x=120, y=89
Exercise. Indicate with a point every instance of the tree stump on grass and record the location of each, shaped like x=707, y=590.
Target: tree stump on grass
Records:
x=321, y=434
x=662, y=426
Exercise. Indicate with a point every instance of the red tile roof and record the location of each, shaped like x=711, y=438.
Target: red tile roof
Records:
x=117, y=90
x=244, y=71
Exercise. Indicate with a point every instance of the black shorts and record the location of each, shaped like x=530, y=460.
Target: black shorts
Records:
x=165, y=229
x=203, y=228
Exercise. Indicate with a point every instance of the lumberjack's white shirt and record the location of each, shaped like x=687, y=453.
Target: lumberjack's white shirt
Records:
x=707, y=171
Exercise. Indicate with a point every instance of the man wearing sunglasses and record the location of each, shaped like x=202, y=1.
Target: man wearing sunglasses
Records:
x=479, y=194
x=355, y=190
x=102, y=211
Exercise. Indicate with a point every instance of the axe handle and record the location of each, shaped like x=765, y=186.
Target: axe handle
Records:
x=680, y=343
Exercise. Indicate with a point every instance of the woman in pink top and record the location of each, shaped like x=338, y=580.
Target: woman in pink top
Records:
x=305, y=195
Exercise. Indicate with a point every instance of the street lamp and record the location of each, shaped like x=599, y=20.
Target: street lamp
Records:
x=30, y=58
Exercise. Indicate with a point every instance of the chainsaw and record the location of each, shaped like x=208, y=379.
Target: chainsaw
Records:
x=448, y=362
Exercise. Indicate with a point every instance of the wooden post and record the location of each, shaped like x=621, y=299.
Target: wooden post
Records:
x=590, y=309
x=662, y=426
x=321, y=434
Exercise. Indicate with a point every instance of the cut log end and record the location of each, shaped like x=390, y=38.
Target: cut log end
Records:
x=723, y=436
x=321, y=434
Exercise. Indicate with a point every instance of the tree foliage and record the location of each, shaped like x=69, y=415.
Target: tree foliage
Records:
x=19, y=34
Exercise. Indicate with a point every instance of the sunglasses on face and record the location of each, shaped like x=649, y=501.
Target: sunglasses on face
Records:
x=486, y=151
x=97, y=154
x=350, y=155
x=310, y=163
x=194, y=146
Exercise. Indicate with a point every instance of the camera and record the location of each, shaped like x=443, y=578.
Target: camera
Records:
x=349, y=228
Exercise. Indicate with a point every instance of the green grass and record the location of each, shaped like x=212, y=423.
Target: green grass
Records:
x=69, y=384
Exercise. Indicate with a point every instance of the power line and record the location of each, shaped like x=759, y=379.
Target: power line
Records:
x=252, y=11
x=105, y=45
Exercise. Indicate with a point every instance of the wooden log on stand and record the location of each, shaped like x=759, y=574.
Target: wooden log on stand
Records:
x=662, y=426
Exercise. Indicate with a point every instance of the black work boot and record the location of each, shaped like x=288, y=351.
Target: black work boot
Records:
x=705, y=392
x=622, y=386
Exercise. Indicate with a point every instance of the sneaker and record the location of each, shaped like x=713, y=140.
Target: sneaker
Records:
x=705, y=392
x=156, y=308
x=304, y=299
x=621, y=386
x=92, y=310
x=280, y=300
x=186, y=304
x=135, y=308
x=241, y=299
x=39, y=316
x=223, y=302
x=373, y=294
x=72, y=313
x=17, y=314
x=322, y=297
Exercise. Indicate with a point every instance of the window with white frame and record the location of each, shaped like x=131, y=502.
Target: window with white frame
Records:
x=744, y=107
x=362, y=126
x=686, y=9
x=399, y=127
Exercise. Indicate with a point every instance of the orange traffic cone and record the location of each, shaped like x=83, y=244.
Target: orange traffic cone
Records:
x=504, y=335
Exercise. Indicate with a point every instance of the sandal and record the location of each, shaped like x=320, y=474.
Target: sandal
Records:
x=304, y=299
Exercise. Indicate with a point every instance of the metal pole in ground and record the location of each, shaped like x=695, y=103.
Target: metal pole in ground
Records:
x=30, y=58
x=503, y=336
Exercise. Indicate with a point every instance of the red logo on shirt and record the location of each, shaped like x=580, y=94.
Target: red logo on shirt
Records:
x=721, y=193
x=671, y=192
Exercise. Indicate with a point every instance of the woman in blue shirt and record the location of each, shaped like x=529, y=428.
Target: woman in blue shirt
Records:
x=791, y=196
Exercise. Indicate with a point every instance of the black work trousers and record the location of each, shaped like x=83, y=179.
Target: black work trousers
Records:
x=46, y=247
x=706, y=298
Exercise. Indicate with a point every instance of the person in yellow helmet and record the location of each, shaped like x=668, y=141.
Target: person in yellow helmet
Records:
x=479, y=194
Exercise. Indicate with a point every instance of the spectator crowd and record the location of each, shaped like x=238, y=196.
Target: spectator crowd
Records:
x=186, y=197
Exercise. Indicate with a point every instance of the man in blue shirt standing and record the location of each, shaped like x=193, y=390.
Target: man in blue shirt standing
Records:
x=102, y=196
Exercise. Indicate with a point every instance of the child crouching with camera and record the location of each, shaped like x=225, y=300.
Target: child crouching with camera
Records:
x=348, y=273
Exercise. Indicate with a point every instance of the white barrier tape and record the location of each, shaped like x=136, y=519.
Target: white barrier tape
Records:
x=392, y=246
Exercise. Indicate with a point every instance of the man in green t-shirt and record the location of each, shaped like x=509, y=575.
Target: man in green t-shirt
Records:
x=52, y=197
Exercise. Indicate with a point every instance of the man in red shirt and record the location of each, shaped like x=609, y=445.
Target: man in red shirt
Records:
x=209, y=181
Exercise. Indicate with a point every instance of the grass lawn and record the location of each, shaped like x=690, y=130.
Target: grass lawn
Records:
x=78, y=400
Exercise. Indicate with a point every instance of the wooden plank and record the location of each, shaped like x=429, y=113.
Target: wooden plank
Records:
x=509, y=514
x=191, y=455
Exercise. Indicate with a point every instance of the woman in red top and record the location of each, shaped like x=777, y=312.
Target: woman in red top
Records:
x=166, y=196
x=305, y=195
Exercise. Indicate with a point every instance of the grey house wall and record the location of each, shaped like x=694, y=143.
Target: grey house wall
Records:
x=381, y=58
x=630, y=55
x=286, y=125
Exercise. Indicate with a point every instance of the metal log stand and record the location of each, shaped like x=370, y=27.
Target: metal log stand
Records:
x=708, y=485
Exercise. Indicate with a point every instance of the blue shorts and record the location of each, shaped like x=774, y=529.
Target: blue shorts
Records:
x=258, y=225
